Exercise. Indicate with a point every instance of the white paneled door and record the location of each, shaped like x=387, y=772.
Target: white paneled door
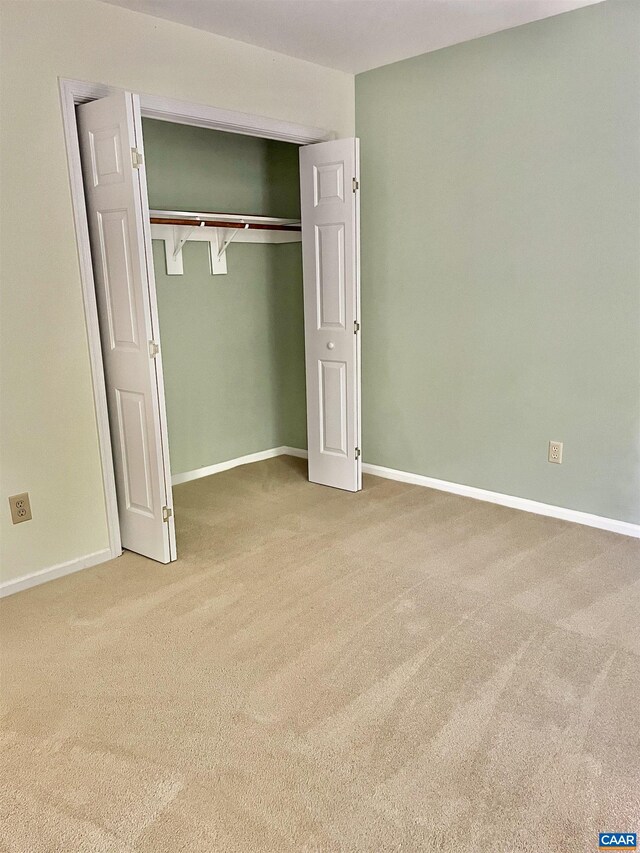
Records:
x=330, y=198
x=117, y=207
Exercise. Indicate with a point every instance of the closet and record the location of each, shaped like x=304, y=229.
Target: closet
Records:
x=225, y=225
x=226, y=274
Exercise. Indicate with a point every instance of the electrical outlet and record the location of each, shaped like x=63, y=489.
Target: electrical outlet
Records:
x=555, y=452
x=20, y=508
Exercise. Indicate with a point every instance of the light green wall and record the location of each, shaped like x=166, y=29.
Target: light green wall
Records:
x=501, y=261
x=233, y=345
x=192, y=168
x=233, y=353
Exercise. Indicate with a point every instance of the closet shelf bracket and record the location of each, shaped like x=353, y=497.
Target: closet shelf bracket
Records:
x=219, y=230
x=180, y=243
x=229, y=240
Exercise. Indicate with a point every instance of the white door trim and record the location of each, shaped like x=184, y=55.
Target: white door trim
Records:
x=74, y=92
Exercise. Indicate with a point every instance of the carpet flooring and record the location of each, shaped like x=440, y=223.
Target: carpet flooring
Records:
x=397, y=670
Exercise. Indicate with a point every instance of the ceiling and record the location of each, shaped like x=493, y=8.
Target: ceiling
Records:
x=352, y=35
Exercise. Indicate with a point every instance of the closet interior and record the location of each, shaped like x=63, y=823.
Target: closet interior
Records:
x=225, y=225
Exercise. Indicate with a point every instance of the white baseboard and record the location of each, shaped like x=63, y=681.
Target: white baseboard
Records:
x=294, y=451
x=626, y=528
x=44, y=575
x=176, y=479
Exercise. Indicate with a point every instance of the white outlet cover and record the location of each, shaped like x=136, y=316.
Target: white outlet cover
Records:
x=555, y=452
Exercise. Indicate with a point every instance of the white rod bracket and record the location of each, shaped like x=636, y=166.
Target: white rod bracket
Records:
x=217, y=257
x=226, y=243
x=180, y=243
x=172, y=259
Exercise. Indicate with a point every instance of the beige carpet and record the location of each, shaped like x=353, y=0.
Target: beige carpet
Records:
x=398, y=670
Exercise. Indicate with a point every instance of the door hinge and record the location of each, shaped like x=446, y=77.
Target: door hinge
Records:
x=356, y=327
x=136, y=158
x=357, y=453
x=356, y=185
x=154, y=349
x=167, y=512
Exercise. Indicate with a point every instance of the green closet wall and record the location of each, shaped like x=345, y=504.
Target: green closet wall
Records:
x=233, y=345
x=501, y=261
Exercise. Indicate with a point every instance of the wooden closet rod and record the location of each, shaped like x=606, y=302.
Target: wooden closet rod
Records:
x=212, y=223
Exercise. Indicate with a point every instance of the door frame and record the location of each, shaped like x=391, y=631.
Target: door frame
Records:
x=74, y=92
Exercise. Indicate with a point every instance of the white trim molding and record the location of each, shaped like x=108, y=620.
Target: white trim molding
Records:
x=200, y=115
x=43, y=575
x=208, y=470
x=614, y=526
x=626, y=528
x=587, y=519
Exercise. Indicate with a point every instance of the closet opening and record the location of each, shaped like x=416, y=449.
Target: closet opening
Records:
x=224, y=273
x=230, y=298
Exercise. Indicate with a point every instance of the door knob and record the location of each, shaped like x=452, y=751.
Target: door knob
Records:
x=331, y=345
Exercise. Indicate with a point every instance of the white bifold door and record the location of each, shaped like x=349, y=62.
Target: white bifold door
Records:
x=116, y=194
x=330, y=199
x=111, y=147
